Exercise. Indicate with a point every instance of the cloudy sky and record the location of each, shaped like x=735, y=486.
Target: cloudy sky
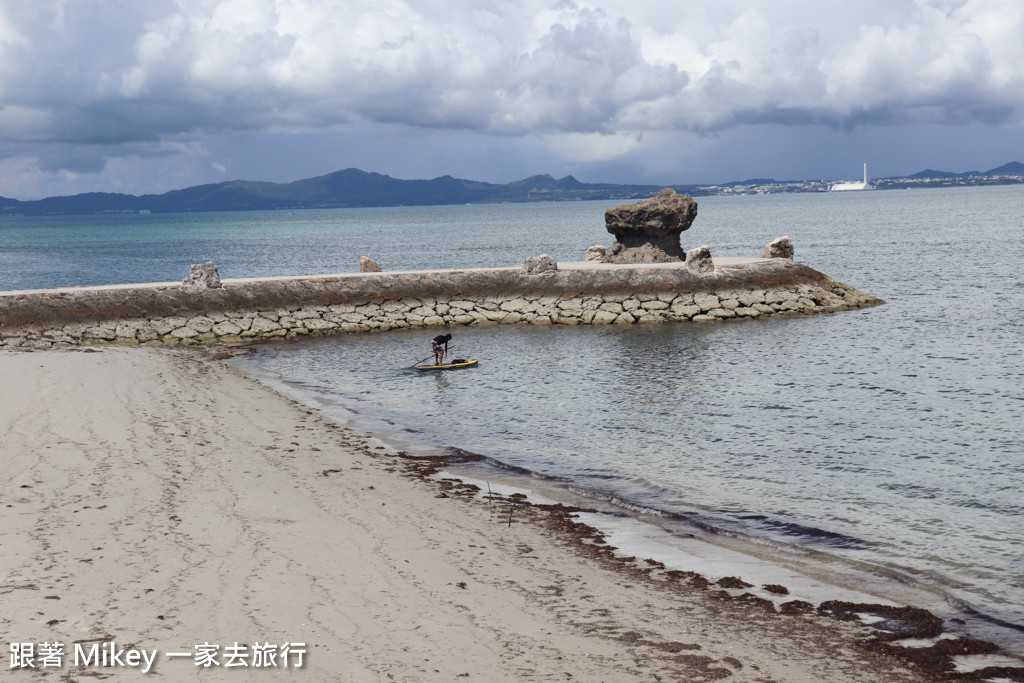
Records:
x=145, y=96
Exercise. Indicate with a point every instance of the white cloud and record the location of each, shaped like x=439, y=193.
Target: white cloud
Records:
x=592, y=147
x=592, y=74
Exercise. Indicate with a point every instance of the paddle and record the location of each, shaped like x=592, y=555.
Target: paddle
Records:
x=427, y=358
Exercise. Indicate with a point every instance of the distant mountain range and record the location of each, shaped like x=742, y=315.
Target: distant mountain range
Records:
x=349, y=188
x=1013, y=168
x=354, y=188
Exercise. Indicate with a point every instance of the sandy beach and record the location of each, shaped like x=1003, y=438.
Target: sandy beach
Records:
x=163, y=501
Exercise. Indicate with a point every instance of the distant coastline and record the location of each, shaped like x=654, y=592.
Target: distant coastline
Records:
x=356, y=188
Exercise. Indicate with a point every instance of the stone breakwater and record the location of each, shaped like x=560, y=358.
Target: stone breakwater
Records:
x=242, y=311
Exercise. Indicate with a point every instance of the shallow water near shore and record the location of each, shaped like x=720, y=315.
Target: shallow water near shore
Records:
x=884, y=447
x=752, y=431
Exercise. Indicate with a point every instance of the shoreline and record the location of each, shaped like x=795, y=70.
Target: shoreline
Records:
x=161, y=498
x=814, y=572
x=713, y=553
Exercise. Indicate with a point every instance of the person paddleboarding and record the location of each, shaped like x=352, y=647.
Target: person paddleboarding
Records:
x=440, y=346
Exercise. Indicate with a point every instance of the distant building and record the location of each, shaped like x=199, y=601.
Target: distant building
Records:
x=843, y=187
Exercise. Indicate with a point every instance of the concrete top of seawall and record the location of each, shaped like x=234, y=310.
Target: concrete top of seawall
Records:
x=726, y=262
x=571, y=279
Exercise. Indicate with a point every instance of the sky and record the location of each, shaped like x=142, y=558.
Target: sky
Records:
x=146, y=96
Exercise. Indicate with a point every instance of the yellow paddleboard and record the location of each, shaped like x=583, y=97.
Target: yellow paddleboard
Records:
x=454, y=365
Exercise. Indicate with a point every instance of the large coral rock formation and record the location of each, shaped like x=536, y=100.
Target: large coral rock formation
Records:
x=648, y=231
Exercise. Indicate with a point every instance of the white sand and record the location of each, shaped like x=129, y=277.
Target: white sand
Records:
x=162, y=500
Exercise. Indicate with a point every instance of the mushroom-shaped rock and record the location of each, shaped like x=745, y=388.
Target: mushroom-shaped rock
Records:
x=539, y=264
x=648, y=231
x=699, y=260
x=780, y=247
x=202, y=276
x=368, y=265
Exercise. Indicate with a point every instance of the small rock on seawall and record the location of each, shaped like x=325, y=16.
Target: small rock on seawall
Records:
x=539, y=264
x=652, y=226
x=595, y=253
x=202, y=276
x=780, y=247
x=368, y=265
x=699, y=260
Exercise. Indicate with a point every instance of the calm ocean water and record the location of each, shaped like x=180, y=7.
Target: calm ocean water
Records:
x=883, y=445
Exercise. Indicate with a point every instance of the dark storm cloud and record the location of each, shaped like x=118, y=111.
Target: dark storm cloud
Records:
x=590, y=78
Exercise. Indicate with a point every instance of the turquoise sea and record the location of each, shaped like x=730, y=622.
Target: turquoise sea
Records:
x=883, y=449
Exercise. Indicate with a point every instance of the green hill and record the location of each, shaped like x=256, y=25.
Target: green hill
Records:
x=347, y=188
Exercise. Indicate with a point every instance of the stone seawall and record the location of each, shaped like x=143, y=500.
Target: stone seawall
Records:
x=242, y=311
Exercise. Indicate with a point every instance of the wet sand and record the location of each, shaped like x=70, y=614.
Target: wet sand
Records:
x=160, y=499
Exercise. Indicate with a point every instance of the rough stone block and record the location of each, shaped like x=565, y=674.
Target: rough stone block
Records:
x=698, y=260
x=752, y=297
x=262, y=326
x=318, y=325
x=513, y=305
x=200, y=323
x=536, y=265
x=184, y=333
x=686, y=311
x=368, y=265
x=202, y=276
x=706, y=301
x=226, y=328
x=495, y=316
x=780, y=247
